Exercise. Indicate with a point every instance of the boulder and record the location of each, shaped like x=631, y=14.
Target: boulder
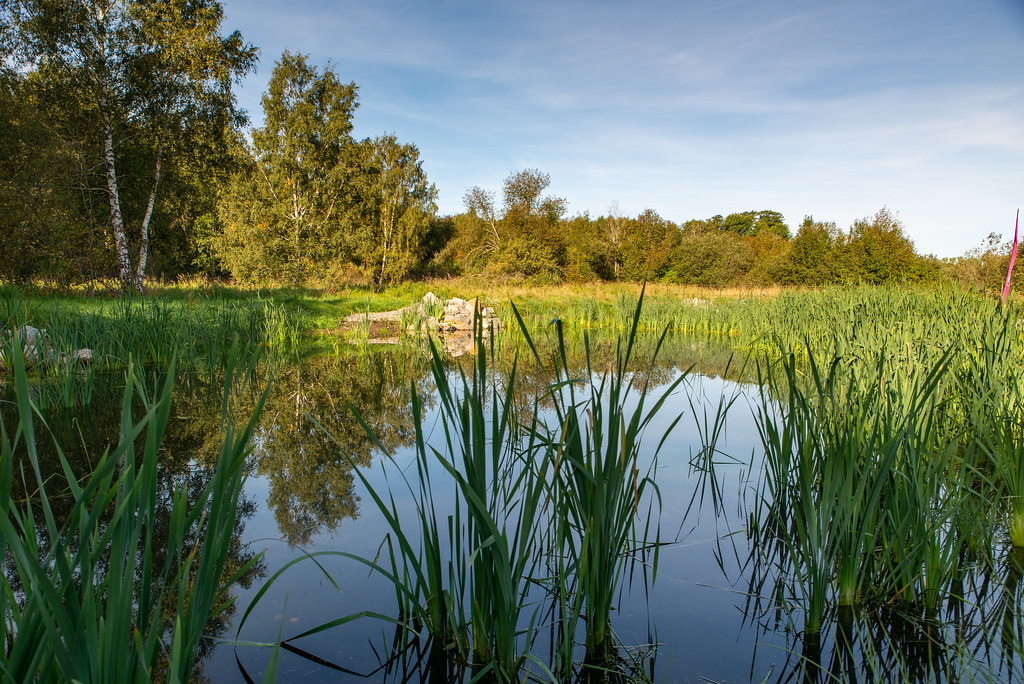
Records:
x=33, y=344
x=459, y=342
x=458, y=314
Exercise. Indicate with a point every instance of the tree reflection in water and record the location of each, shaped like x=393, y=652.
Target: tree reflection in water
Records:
x=309, y=475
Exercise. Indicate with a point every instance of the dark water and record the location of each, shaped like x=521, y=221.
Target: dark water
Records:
x=699, y=620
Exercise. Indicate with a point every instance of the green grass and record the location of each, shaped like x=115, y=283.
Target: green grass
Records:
x=99, y=593
x=198, y=334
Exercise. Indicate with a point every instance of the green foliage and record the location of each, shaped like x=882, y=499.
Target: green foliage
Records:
x=525, y=258
x=397, y=205
x=586, y=259
x=140, y=82
x=522, y=193
x=42, y=218
x=809, y=260
x=877, y=251
x=199, y=334
x=312, y=204
x=853, y=498
x=710, y=258
x=750, y=223
x=100, y=596
x=768, y=256
x=599, y=486
x=524, y=240
x=287, y=213
x=984, y=267
x=647, y=246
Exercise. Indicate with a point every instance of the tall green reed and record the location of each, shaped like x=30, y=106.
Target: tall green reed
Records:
x=478, y=609
x=87, y=597
x=200, y=336
x=852, y=500
x=992, y=392
x=601, y=483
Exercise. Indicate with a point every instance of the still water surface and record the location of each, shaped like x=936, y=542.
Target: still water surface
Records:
x=700, y=620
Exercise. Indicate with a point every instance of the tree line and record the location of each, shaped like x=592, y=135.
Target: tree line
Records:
x=126, y=156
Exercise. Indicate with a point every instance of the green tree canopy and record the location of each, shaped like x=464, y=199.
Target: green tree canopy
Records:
x=144, y=73
x=878, y=251
x=398, y=205
x=288, y=211
x=523, y=240
x=716, y=259
x=808, y=261
x=749, y=223
x=648, y=245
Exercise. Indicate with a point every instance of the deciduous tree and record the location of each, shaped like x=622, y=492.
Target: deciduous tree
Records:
x=289, y=211
x=398, y=203
x=146, y=71
x=808, y=261
x=879, y=251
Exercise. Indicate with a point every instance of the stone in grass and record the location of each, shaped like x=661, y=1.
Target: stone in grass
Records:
x=36, y=349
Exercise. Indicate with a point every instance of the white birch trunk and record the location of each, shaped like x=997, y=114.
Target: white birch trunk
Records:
x=144, y=242
x=298, y=212
x=388, y=225
x=116, y=221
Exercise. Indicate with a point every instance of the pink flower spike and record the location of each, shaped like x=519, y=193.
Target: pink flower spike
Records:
x=1013, y=258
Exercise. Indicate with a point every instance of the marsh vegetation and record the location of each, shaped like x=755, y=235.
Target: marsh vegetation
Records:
x=829, y=481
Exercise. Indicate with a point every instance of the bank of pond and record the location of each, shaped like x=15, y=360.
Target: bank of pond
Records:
x=830, y=488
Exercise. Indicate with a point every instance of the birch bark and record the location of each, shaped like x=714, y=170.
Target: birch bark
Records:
x=144, y=241
x=116, y=221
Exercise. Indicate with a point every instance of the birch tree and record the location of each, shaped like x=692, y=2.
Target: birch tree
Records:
x=400, y=204
x=147, y=70
x=289, y=214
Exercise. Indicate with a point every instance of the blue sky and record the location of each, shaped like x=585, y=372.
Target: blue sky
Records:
x=690, y=108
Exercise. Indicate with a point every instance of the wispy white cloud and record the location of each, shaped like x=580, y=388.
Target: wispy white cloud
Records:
x=695, y=108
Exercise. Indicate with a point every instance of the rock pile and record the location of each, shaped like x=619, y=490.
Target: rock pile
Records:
x=451, y=320
x=432, y=314
x=459, y=313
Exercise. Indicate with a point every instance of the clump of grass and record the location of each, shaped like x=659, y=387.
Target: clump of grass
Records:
x=853, y=497
x=87, y=597
x=991, y=385
x=199, y=334
x=600, y=484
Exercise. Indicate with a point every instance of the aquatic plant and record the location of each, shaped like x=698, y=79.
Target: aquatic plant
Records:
x=601, y=483
x=852, y=496
x=473, y=611
x=199, y=336
x=96, y=595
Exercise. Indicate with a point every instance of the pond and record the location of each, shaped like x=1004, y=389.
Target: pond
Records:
x=707, y=608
